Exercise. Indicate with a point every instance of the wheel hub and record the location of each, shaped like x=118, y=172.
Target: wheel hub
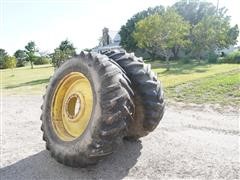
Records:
x=72, y=106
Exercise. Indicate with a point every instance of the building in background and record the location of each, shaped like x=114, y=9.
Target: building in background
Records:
x=110, y=40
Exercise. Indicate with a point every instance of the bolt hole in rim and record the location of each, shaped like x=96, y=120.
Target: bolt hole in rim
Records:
x=71, y=106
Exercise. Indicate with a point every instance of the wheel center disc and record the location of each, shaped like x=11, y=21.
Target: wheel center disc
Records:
x=73, y=106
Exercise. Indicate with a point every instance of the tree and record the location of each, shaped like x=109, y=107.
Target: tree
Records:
x=232, y=35
x=65, y=51
x=194, y=11
x=158, y=34
x=210, y=27
x=30, y=50
x=21, y=57
x=126, y=31
x=3, y=54
x=212, y=33
x=6, y=61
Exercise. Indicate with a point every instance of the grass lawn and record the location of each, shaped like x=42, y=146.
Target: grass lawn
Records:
x=220, y=88
x=25, y=80
x=204, y=83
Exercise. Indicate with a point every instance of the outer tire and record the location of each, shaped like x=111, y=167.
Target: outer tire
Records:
x=111, y=114
x=148, y=98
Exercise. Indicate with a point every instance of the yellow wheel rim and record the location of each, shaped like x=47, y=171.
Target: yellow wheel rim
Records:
x=71, y=106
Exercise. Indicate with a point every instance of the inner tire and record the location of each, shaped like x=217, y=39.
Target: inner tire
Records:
x=148, y=93
x=111, y=111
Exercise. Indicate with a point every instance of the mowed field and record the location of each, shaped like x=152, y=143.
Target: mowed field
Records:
x=24, y=81
x=191, y=83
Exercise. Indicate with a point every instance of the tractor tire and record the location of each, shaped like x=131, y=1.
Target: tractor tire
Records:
x=81, y=134
x=148, y=93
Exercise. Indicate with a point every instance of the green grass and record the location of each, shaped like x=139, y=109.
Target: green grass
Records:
x=181, y=73
x=25, y=80
x=221, y=89
x=204, y=83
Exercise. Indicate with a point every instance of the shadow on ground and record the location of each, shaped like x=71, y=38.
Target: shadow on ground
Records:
x=186, y=69
x=42, y=166
x=179, y=68
x=30, y=83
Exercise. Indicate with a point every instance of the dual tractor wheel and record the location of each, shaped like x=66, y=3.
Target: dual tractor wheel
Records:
x=93, y=100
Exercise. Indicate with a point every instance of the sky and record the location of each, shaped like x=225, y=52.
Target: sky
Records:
x=48, y=22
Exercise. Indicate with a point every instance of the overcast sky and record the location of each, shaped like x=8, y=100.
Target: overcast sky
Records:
x=48, y=22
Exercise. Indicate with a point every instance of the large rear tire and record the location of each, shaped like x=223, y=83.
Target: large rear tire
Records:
x=148, y=93
x=81, y=134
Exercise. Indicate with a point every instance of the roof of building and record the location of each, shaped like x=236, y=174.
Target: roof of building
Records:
x=114, y=35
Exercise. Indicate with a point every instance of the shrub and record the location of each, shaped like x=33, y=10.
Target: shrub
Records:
x=42, y=60
x=233, y=57
x=9, y=62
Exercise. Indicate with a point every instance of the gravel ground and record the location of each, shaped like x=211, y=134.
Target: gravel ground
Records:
x=190, y=142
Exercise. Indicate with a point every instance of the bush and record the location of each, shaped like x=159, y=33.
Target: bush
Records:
x=233, y=57
x=9, y=62
x=42, y=60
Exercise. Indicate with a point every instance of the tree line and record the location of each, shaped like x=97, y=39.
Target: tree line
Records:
x=186, y=30
x=31, y=54
x=190, y=29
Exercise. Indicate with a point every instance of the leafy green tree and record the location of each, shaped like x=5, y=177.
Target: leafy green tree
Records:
x=212, y=33
x=194, y=11
x=232, y=35
x=126, y=31
x=210, y=27
x=66, y=44
x=62, y=53
x=21, y=57
x=158, y=34
x=30, y=50
x=3, y=54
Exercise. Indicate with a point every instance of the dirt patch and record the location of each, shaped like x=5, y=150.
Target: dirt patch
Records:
x=190, y=142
